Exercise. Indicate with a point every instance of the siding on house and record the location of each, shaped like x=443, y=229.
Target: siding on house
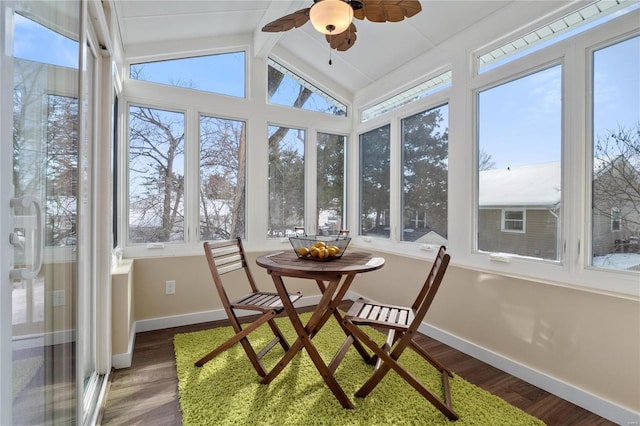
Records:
x=540, y=238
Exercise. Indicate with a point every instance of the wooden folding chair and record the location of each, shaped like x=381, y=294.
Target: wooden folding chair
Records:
x=227, y=256
x=401, y=324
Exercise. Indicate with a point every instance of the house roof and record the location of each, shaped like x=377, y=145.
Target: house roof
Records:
x=536, y=185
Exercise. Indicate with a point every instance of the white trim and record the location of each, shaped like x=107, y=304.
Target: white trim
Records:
x=204, y=316
x=124, y=360
x=582, y=398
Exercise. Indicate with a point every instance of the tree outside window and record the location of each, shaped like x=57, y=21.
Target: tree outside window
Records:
x=375, y=159
x=330, y=183
x=286, y=180
x=222, y=178
x=156, y=175
x=425, y=176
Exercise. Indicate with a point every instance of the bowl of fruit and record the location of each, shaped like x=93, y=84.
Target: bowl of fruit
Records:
x=321, y=248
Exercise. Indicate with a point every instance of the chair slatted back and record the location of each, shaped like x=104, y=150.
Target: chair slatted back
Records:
x=224, y=257
x=432, y=283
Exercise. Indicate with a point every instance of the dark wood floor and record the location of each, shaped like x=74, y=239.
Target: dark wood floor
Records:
x=147, y=392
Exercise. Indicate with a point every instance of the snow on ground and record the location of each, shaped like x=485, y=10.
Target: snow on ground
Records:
x=618, y=261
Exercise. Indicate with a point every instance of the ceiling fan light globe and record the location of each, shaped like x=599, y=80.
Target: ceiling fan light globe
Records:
x=331, y=16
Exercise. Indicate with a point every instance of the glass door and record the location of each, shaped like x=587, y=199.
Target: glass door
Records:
x=47, y=354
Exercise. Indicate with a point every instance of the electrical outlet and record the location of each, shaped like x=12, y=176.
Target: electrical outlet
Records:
x=58, y=298
x=170, y=287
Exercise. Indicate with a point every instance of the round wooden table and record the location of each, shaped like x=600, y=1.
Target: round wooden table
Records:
x=333, y=278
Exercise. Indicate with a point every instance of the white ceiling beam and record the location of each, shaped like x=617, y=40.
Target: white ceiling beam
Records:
x=263, y=42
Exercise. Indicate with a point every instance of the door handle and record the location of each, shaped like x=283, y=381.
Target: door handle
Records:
x=18, y=241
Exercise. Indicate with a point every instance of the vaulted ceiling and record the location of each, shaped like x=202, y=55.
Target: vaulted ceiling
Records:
x=380, y=48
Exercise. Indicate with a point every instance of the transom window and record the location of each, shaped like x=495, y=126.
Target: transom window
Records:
x=289, y=89
x=593, y=14
x=223, y=73
x=412, y=94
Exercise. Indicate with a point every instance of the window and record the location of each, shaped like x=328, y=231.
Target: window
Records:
x=286, y=180
x=413, y=94
x=425, y=175
x=288, y=89
x=195, y=73
x=513, y=221
x=615, y=220
x=222, y=178
x=375, y=174
x=519, y=146
x=156, y=175
x=593, y=14
x=616, y=156
x=330, y=183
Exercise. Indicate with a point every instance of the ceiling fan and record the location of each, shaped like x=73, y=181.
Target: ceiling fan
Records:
x=333, y=17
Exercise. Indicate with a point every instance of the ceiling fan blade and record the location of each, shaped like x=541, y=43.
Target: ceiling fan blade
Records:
x=344, y=40
x=287, y=22
x=387, y=10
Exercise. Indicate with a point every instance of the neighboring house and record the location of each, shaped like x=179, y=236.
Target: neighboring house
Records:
x=616, y=207
x=520, y=209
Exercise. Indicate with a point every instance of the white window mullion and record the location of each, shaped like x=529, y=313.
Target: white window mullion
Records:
x=192, y=178
x=311, y=189
x=574, y=232
x=395, y=190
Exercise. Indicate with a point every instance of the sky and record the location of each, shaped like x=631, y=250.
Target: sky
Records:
x=521, y=120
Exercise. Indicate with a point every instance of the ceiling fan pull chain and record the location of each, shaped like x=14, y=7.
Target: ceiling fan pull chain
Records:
x=330, y=54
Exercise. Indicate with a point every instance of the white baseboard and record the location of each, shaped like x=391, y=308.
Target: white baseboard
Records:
x=205, y=316
x=124, y=360
x=607, y=409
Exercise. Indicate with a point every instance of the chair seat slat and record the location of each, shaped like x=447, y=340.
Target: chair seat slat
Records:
x=364, y=313
x=374, y=313
x=384, y=314
x=393, y=315
x=402, y=317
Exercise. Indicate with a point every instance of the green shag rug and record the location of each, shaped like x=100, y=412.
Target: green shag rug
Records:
x=227, y=391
